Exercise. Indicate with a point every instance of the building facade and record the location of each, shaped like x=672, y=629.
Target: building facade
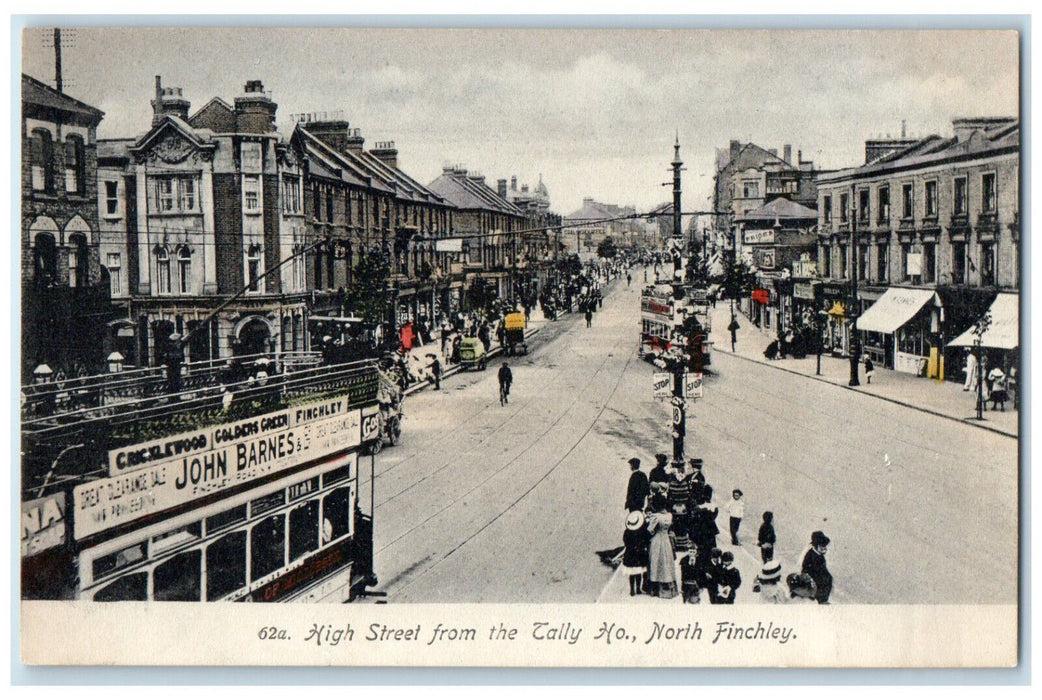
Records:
x=196, y=211
x=65, y=289
x=931, y=227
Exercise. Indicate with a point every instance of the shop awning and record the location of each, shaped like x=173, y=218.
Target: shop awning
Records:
x=894, y=309
x=1003, y=332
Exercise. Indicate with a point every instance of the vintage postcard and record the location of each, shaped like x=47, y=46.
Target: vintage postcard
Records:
x=520, y=347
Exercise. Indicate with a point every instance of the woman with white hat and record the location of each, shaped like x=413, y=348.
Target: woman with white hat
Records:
x=635, y=556
x=661, y=564
x=768, y=583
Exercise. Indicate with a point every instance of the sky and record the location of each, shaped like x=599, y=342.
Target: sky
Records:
x=595, y=112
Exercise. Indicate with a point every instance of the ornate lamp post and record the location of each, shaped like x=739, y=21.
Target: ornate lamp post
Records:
x=979, y=329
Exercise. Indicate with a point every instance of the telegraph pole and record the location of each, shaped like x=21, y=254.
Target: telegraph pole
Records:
x=855, y=344
x=679, y=412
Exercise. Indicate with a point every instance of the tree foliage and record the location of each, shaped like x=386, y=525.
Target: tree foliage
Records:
x=607, y=248
x=739, y=279
x=366, y=296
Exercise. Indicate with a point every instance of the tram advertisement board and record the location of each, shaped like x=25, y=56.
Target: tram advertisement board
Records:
x=146, y=454
x=163, y=484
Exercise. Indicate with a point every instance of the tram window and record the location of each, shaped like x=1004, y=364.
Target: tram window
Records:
x=266, y=503
x=232, y=515
x=118, y=560
x=303, y=530
x=226, y=565
x=336, y=510
x=130, y=587
x=267, y=546
x=179, y=578
x=169, y=540
x=335, y=475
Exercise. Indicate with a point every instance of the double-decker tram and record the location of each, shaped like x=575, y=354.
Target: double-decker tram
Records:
x=236, y=482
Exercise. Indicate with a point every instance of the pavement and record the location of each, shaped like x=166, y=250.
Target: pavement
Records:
x=941, y=398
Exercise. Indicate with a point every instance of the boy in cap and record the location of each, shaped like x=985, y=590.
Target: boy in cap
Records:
x=766, y=537
x=814, y=566
x=727, y=581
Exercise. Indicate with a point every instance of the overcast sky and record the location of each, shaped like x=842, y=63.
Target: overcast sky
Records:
x=594, y=111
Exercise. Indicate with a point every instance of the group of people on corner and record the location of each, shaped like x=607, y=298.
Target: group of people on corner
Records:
x=998, y=388
x=671, y=524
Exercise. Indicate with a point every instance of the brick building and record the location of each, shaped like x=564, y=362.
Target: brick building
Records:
x=936, y=238
x=65, y=291
x=360, y=200
x=483, y=223
x=749, y=176
x=195, y=211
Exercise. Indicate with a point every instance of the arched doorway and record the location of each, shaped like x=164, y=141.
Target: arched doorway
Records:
x=254, y=338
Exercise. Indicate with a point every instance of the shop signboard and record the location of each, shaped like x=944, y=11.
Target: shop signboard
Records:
x=764, y=258
x=758, y=236
x=803, y=290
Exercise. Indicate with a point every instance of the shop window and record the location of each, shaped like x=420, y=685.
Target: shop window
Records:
x=131, y=587
x=959, y=197
x=111, y=197
x=179, y=578
x=907, y=210
x=267, y=546
x=987, y=195
x=162, y=271
x=114, y=263
x=41, y=157
x=336, y=514
x=184, y=270
x=931, y=198
x=303, y=530
x=74, y=165
x=225, y=565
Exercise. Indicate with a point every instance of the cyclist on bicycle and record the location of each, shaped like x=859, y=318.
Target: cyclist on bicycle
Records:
x=505, y=378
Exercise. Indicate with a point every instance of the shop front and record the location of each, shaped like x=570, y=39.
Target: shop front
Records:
x=1000, y=340
x=902, y=327
x=833, y=299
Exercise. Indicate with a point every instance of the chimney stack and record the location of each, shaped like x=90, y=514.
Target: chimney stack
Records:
x=501, y=188
x=57, y=59
x=254, y=110
x=787, y=153
x=387, y=153
x=168, y=101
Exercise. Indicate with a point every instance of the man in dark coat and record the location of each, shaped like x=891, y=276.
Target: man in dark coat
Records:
x=658, y=474
x=726, y=581
x=638, y=489
x=814, y=566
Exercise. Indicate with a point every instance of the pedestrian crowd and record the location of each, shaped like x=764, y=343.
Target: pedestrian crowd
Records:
x=671, y=526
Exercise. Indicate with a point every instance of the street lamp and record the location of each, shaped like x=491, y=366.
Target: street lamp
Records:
x=979, y=329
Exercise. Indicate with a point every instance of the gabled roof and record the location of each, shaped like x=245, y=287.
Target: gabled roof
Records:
x=752, y=156
x=326, y=162
x=464, y=192
x=781, y=209
x=199, y=137
x=114, y=149
x=37, y=93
